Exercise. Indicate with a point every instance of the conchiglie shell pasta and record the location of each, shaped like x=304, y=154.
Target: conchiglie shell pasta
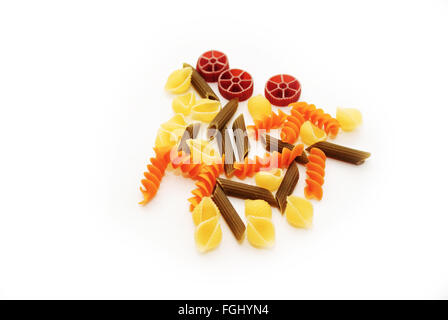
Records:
x=299, y=212
x=260, y=232
x=259, y=107
x=204, y=211
x=183, y=104
x=269, y=179
x=165, y=139
x=205, y=110
x=176, y=122
x=208, y=234
x=257, y=208
x=175, y=126
x=311, y=134
x=348, y=118
x=179, y=81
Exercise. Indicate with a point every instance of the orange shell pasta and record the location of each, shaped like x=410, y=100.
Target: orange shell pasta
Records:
x=154, y=175
x=317, y=117
x=315, y=170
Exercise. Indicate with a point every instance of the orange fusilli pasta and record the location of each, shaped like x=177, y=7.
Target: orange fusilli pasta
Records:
x=291, y=128
x=284, y=159
x=317, y=117
x=153, y=177
x=205, y=184
x=273, y=121
x=250, y=167
x=184, y=162
x=315, y=170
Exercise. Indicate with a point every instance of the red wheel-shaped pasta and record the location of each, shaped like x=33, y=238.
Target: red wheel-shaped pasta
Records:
x=236, y=83
x=211, y=64
x=282, y=90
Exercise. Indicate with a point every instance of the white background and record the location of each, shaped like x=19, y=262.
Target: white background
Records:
x=81, y=97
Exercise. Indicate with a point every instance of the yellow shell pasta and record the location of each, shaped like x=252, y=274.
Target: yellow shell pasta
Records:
x=170, y=132
x=259, y=107
x=269, y=179
x=165, y=139
x=299, y=212
x=205, y=110
x=208, y=234
x=260, y=232
x=311, y=134
x=257, y=208
x=204, y=211
x=182, y=104
x=176, y=122
x=179, y=81
x=348, y=118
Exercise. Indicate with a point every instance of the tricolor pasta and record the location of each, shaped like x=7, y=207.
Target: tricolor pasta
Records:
x=222, y=146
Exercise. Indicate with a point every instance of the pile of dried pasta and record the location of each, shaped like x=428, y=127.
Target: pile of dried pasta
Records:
x=214, y=161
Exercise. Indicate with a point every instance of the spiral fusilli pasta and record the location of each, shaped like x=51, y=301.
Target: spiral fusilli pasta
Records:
x=284, y=159
x=317, y=117
x=315, y=170
x=250, y=166
x=291, y=128
x=185, y=163
x=153, y=176
x=273, y=121
x=205, y=184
